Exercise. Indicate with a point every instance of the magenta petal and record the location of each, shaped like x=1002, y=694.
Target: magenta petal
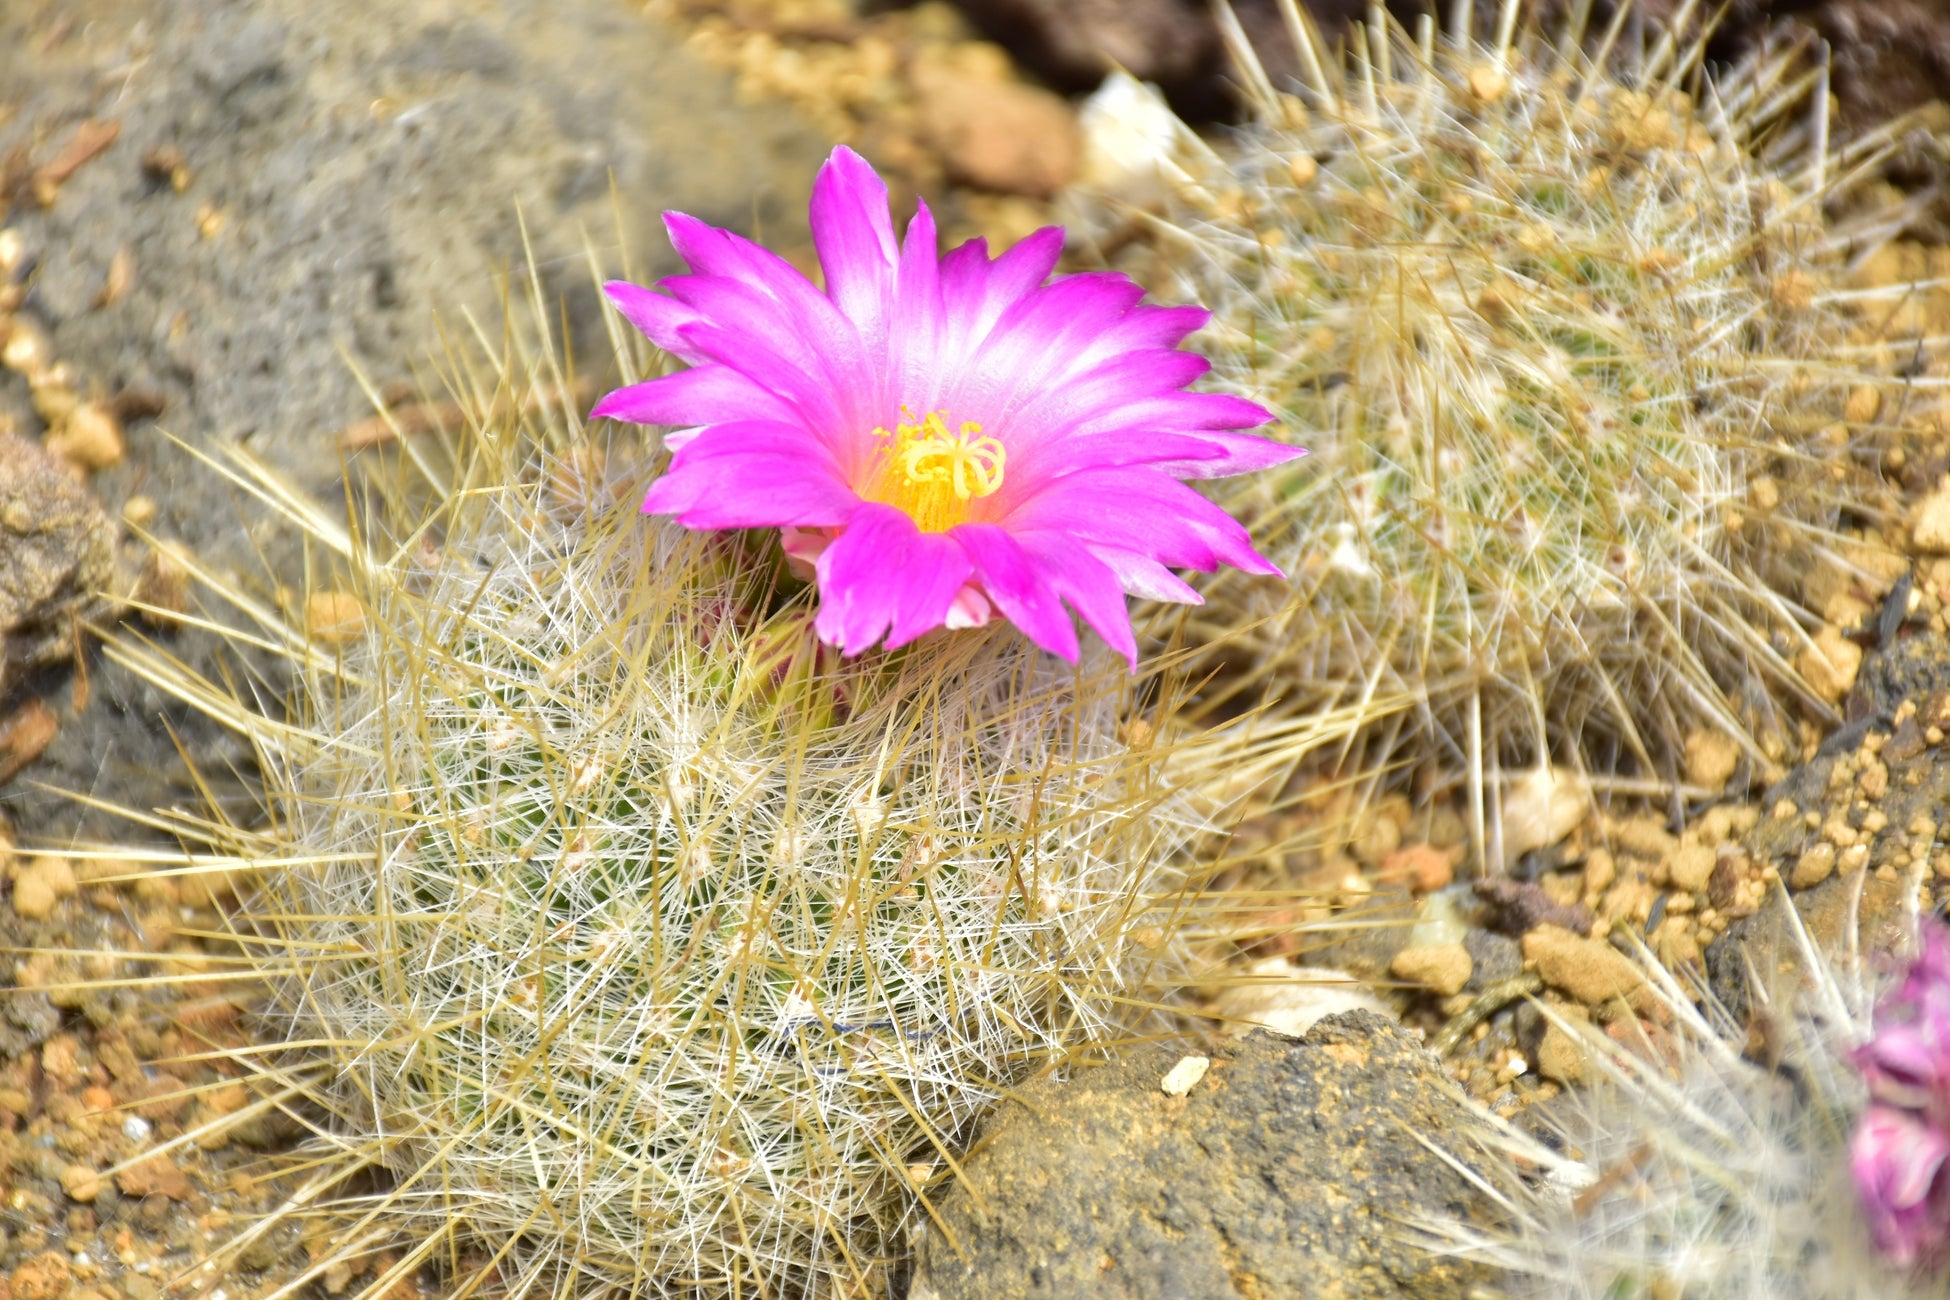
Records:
x=738, y=271
x=854, y=236
x=1145, y=512
x=1089, y=586
x=1906, y=1062
x=1025, y=265
x=1055, y=457
x=1146, y=327
x=1034, y=343
x=1132, y=394
x=976, y=291
x=1012, y=578
x=810, y=393
x=885, y=577
x=729, y=255
x=914, y=350
x=700, y=395
x=1235, y=453
x=1142, y=576
x=654, y=314
x=752, y=475
x=1898, y=1165
x=740, y=327
x=1186, y=412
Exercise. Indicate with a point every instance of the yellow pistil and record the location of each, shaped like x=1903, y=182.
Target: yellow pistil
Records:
x=932, y=473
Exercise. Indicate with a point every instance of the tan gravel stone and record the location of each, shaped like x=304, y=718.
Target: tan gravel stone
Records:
x=1588, y=970
x=1690, y=867
x=1930, y=529
x=1830, y=664
x=1184, y=1076
x=1561, y=1057
x=1863, y=405
x=81, y=1183
x=156, y=1176
x=334, y=617
x=1422, y=867
x=1003, y=136
x=44, y=1277
x=1645, y=837
x=1541, y=807
x=1441, y=968
x=1711, y=759
x=1813, y=867
x=1600, y=870
x=1488, y=82
x=40, y=885
x=90, y=437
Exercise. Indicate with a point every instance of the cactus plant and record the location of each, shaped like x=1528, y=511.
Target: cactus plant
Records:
x=1567, y=333
x=641, y=942
x=1701, y=1156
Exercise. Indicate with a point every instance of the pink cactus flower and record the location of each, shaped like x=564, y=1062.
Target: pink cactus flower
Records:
x=1906, y=1061
x=1898, y=1164
x=940, y=439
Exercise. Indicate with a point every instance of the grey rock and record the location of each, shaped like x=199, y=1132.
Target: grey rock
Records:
x=1288, y=1170
x=366, y=160
x=56, y=553
x=1760, y=949
x=1364, y=950
x=27, y=1019
x=1912, y=667
x=1493, y=958
x=1916, y=793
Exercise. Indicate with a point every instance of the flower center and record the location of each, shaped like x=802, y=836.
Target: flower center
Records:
x=933, y=474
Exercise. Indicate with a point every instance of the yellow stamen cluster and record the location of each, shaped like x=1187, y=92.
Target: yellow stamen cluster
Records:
x=932, y=473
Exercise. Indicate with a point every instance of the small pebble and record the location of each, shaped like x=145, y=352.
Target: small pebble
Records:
x=41, y=885
x=1487, y=82
x=1711, y=759
x=1541, y=808
x=1590, y=971
x=1441, y=968
x=1690, y=867
x=24, y=349
x=90, y=437
x=136, y=1129
x=81, y=1183
x=334, y=617
x=1863, y=405
x=1646, y=837
x=1561, y=1057
x=1184, y=1076
x=1829, y=665
x=1422, y=867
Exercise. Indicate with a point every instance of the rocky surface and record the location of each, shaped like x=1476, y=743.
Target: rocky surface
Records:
x=56, y=551
x=1286, y=1169
x=113, y=1025
x=1856, y=831
x=220, y=211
